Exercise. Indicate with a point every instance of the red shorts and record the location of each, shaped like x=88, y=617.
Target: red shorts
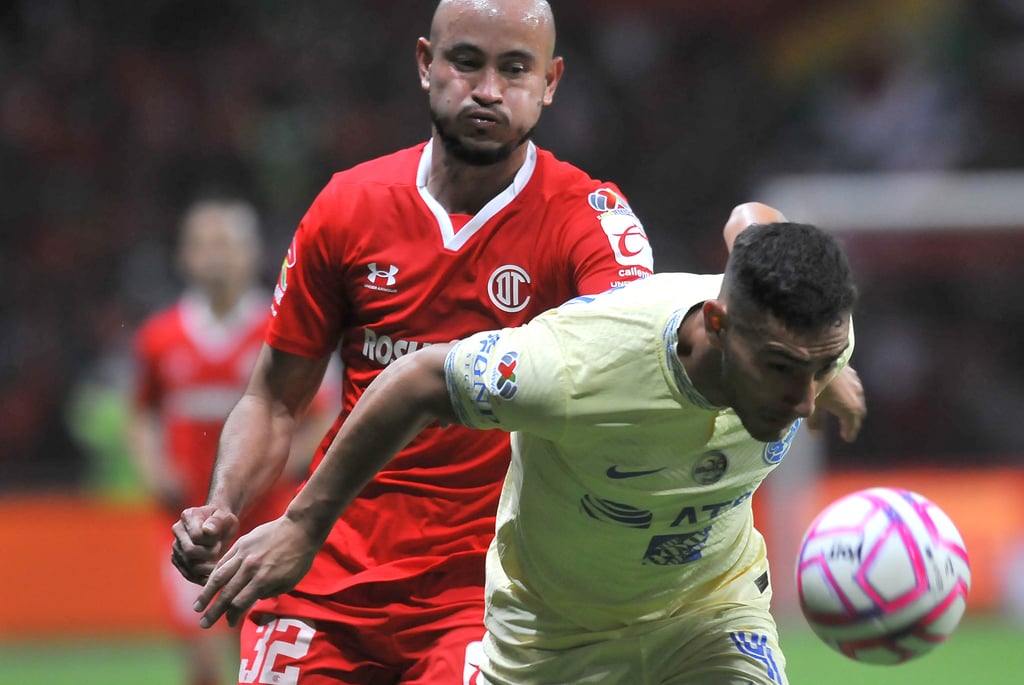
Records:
x=414, y=632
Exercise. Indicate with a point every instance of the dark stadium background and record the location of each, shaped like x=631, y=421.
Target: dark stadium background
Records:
x=113, y=114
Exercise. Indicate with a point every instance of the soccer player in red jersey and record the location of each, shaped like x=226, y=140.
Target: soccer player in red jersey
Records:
x=192, y=362
x=475, y=229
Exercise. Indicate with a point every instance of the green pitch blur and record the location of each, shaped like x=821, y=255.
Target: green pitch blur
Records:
x=980, y=651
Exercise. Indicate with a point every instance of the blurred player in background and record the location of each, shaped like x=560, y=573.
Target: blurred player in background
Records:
x=192, y=363
x=473, y=230
x=645, y=418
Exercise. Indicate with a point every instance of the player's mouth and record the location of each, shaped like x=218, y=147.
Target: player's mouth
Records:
x=779, y=421
x=483, y=119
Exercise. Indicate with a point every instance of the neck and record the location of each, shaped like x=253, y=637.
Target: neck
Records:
x=702, y=360
x=464, y=188
x=223, y=302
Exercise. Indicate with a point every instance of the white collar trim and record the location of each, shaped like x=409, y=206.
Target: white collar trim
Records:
x=452, y=240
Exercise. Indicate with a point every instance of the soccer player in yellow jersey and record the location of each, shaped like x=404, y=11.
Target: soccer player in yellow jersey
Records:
x=643, y=420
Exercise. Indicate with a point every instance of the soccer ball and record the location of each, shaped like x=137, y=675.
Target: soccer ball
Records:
x=882, y=575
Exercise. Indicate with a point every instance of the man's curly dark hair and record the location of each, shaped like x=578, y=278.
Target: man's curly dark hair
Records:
x=797, y=273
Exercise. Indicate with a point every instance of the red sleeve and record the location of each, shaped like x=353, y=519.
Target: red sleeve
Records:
x=610, y=246
x=309, y=302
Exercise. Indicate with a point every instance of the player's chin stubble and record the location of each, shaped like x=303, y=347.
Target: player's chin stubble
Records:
x=474, y=156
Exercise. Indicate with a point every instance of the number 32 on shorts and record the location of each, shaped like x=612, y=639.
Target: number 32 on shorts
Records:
x=274, y=642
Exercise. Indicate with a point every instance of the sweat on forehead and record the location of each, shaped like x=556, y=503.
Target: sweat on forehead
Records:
x=528, y=13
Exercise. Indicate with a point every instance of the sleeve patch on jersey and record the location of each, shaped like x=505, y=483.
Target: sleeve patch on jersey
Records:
x=472, y=381
x=627, y=238
x=505, y=375
x=282, y=282
x=606, y=200
x=625, y=233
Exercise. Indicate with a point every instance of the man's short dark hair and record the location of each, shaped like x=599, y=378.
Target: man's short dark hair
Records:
x=797, y=273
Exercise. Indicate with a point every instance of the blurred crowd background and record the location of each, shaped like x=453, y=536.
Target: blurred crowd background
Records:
x=114, y=114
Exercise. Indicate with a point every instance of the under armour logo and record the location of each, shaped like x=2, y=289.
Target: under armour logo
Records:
x=387, y=274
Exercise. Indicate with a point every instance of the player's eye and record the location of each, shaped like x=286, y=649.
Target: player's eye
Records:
x=466, y=64
x=464, y=60
x=825, y=371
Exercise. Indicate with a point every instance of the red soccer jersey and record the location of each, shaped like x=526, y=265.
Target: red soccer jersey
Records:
x=191, y=370
x=379, y=265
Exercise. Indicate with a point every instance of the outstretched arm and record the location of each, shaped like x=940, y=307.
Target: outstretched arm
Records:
x=408, y=395
x=844, y=399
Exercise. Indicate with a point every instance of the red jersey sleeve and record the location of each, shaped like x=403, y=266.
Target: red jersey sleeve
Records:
x=609, y=245
x=309, y=308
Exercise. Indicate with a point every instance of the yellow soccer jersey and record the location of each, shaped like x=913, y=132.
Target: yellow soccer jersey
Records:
x=628, y=495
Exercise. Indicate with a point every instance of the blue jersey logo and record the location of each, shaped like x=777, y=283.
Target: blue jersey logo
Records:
x=775, y=451
x=676, y=549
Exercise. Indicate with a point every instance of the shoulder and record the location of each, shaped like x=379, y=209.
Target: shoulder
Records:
x=637, y=311
x=159, y=328
x=562, y=181
x=683, y=285
x=398, y=168
x=383, y=184
x=591, y=209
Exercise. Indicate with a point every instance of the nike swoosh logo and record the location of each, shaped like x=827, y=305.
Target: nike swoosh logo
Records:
x=614, y=472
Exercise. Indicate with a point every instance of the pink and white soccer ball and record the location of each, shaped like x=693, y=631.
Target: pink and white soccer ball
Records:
x=883, y=575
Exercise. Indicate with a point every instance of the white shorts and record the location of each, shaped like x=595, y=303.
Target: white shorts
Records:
x=733, y=642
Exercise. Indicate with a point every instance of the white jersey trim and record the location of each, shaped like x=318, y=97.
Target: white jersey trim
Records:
x=218, y=337
x=452, y=240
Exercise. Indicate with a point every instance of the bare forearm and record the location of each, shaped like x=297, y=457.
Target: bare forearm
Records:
x=273, y=557
x=253, y=450
x=257, y=435
x=309, y=432
x=408, y=396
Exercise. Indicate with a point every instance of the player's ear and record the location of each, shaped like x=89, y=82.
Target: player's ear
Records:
x=715, y=320
x=552, y=75
x=424, y=58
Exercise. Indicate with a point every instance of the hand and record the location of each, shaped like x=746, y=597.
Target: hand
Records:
x=200, y=535
x=268, y=561
x=844, y=398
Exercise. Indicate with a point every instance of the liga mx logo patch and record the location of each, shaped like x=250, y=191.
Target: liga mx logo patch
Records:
x=607, y=200
x=505, y=376
x=775, y=451
x=281, y=288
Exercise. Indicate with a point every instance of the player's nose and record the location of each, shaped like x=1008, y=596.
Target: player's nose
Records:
x=802, y=398
x=488, y=86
